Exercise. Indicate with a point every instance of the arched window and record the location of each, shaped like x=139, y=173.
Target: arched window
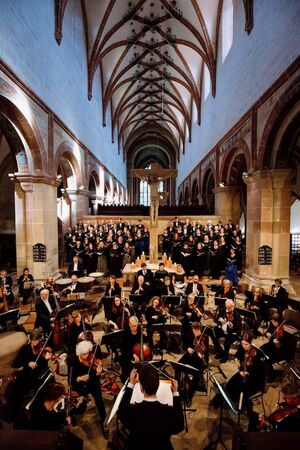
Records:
x=145, y=190
x=227, y=28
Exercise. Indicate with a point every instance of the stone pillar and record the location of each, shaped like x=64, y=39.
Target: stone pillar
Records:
x=36, y=222
x=268, y=223
x=72, y=195
x=227, y=203
x=83, y=207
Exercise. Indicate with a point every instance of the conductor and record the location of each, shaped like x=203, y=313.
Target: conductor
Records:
x=138, y=417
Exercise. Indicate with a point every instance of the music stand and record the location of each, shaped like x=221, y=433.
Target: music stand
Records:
x=107, y=303
x=63, y=311
x=220, y=301
x=9, y=316
x=246, y=314
x=115, y=339
x=137, y=302
x=200, y=300
x=187, y=370
x=227, y=399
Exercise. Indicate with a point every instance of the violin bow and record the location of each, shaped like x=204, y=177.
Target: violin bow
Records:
x=42, y=349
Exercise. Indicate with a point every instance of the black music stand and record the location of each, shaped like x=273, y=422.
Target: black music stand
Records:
x=114, y=339
x=227, y=399
x=63, y=311
x=246, y=314
x=187, y=370
x=11, y=316
x=220, y=301
x=171, y=301
x=107, y=303
x=137, y=303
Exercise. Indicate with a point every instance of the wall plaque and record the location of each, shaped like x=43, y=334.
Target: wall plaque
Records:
x=265, y=255
x=39, y=253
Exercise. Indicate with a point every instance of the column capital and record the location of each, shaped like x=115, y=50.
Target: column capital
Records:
x=25, y=179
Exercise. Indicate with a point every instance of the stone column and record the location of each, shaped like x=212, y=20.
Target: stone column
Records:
x=36, y=222
x=227, y=203
x=268, y=223
x=83, y=207
x=72, y=195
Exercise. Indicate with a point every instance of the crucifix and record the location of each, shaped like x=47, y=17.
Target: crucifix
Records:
x=154, y=176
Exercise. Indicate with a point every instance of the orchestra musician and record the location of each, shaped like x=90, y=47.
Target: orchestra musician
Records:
x=195, y=287
x=45, y=308
x=79, y=324
x=226, y=290
x=168, y=287
x=75, y=267
x=196, y=355
x=150, y=423
x=280, y=293
x=229, y=326
x=255, y=303
x=85, y=379
x=31, y=364
x=156, y=313
x=147, y=274
x=74, y=287
x=250, y=377
x=112, y=287
x=142, y=289
x=191, y=312
x=280, y=346
x=285, y=416
x=43, y=415
x=132, y=336
x=6, y=285
x=118, y=317
x=159, y=277
x=25, y=283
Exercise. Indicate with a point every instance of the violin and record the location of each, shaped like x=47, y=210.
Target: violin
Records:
x=91, y=361
x=200, y=346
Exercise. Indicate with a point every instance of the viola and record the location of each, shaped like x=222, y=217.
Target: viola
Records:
x=282, y=412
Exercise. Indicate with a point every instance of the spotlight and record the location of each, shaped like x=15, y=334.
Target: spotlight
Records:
x=222, y=184
x=245, y=174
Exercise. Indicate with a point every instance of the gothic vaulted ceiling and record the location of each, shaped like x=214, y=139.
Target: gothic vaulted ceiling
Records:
x=151, y=56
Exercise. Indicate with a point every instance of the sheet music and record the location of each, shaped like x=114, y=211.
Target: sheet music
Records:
x=164, y=394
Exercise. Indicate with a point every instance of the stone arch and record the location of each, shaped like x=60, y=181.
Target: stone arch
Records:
x=67, y=163
x=207, y=191
x=286, y=102
x=195, y=193
x=180, y=201
x=186, y=196
x=94, y=182
x=107, y=192
x=237, y=160
x=16, y=109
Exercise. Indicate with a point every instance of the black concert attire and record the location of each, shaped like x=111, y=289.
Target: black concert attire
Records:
x=190, y=313
x=112, y=291
x=179, y=277
x=194, y=288
x=115, y=261
x=253, y=382
x=6, y=283
x=73, y=333
x=222, y=294
x=75, y=269
x=27, y=379
x=158, y=280
x=165, y=244
x=150, y=423
x=77, y=251
x=126, y=356
x=44, y=314
x=200, y=259
x=92, y=386
x=144, y=291
x=147, y=274
x=74, y=288
x=285, y=419
x=186, y=259
x=255, y=303
x=25, y=291
x=231, y=330
x=167, y=290
x=155, y=316
x=199, y=360
x=281, y=297
x=215, y=262
x=90, y=261
x=176, y=247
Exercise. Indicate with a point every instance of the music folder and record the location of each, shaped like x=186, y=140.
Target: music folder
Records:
x=63, y=311
x=136, y=298
x=171, y=300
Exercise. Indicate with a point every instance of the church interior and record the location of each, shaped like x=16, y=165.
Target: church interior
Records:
x=150, y=153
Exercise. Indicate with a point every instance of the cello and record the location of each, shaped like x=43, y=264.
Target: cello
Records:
x=141, y=349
